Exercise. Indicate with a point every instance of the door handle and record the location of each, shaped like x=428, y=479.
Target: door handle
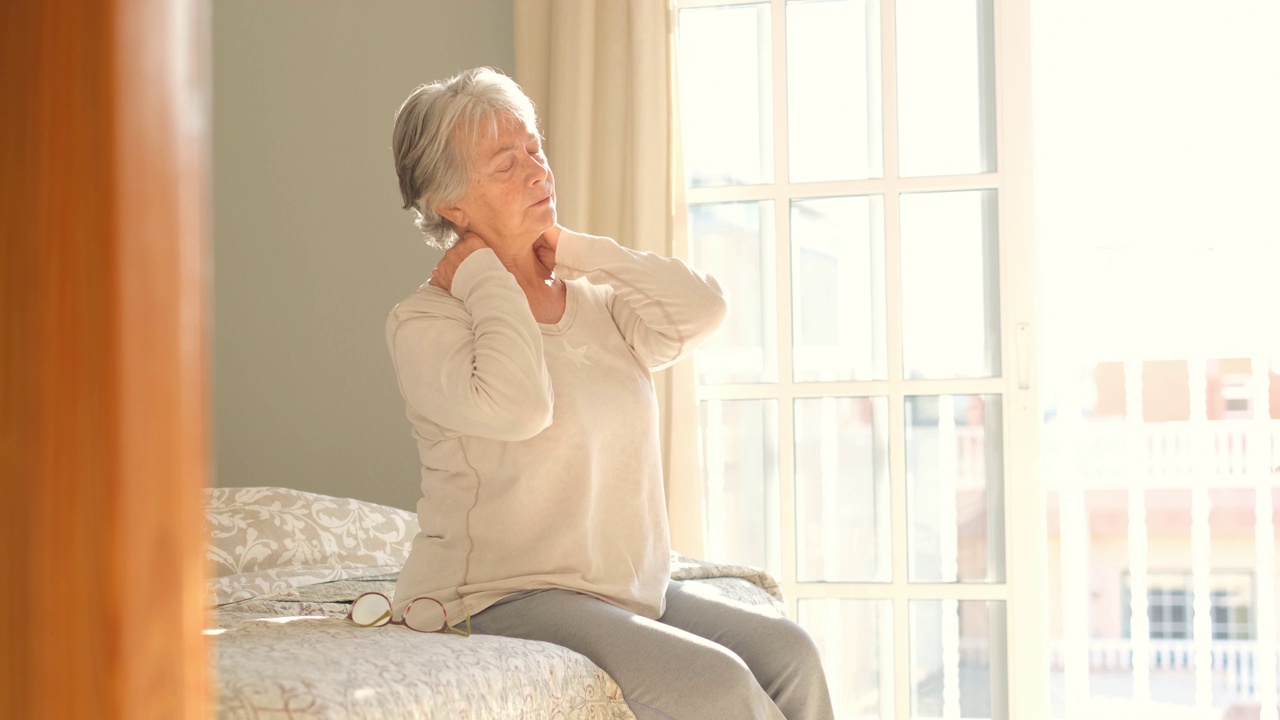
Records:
x=1023, y=353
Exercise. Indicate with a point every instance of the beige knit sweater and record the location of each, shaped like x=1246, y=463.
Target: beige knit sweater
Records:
x=539, y=443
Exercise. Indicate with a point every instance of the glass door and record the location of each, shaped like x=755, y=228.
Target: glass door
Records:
x=857, y=179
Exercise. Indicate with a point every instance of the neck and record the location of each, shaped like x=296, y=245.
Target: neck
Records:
x=545, y=294
x=528, y=271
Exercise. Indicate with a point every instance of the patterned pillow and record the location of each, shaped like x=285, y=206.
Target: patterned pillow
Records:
x=268, y=539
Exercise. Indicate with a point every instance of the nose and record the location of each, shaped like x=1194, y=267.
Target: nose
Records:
x=538, y=170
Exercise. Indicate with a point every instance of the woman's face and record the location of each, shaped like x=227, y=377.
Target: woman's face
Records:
x=510, y=198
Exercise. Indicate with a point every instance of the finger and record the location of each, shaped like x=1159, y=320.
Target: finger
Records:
x=552, y=236
x=548, y=261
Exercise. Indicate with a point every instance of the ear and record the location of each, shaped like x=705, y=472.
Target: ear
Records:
x=453, y=214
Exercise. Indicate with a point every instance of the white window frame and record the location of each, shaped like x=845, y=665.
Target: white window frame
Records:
x=1024, y=591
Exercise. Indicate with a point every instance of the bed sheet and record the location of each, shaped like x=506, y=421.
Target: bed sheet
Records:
x=293, y=655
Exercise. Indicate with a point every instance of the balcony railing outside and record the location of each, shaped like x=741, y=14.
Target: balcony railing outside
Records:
x=1234, y=661
x=1099, y=454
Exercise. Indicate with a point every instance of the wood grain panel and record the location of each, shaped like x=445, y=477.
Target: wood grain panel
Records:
x=103, y=146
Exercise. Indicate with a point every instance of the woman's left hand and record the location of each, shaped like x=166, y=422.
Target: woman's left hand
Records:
x=545, y=247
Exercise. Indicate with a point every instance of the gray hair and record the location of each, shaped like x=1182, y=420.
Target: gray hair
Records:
x=434, y=131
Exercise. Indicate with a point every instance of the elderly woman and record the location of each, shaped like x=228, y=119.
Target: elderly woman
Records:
x=525, y=367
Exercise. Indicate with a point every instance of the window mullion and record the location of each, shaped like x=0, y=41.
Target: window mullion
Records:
x=834, y=188
x=893, y=337
x=782, y=264
x=851, y=388
x=891, y=591
x=781, y=212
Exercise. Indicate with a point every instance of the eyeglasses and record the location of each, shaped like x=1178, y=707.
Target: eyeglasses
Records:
x=424, y=614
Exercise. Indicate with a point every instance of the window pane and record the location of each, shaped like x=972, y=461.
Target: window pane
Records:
x=958, y=659
x=855, y=638
x=842, y=489
x=837, y=289
x=734, y=242
x=834, y=126
x=955, y=480
x=739, y=452
x=726, y=95
x=946, y=88
x=950, y=284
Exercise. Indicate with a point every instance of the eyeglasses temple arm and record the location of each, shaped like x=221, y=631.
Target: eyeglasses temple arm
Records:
x=463, y=633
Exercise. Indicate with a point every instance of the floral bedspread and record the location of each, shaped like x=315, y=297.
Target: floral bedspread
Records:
x=281, y=647
x=293, y=655
x=320, y=666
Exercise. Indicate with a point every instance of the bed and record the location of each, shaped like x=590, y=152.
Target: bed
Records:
x=287, y=565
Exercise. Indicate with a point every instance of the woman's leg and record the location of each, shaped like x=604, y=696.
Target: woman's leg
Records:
x=664, y=672
x=779, y=652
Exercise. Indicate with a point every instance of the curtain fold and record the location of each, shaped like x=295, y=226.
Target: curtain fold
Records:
x=601, y=73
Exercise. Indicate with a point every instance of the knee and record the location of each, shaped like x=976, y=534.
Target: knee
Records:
x=789, y=644
x=802, y=646
x=789, y=659
x=721, y=685
x=698, y=680
x=718, y=670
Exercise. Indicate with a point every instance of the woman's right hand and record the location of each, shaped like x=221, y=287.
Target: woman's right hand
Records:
x=442, y=275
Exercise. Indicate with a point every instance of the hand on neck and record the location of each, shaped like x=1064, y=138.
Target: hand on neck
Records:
x=517, y=255
x=546, y=295
x=529, y=273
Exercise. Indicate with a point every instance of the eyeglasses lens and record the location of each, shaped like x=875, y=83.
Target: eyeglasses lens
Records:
x=370, y=611
x=424, y=615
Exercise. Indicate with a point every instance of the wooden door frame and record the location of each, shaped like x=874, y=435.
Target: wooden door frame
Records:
x=103, y=354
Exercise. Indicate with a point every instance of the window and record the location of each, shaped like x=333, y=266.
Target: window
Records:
x=845, y=185
x=1170, y=610
x=1236, y=404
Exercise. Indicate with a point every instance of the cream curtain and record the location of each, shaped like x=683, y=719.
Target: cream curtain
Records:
x=601, y=73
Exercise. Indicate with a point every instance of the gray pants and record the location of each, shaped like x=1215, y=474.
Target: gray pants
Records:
x=708, y=657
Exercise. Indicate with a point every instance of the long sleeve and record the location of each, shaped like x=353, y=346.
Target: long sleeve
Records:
x=578, y=503
x=473, y=363
x=663, y=308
